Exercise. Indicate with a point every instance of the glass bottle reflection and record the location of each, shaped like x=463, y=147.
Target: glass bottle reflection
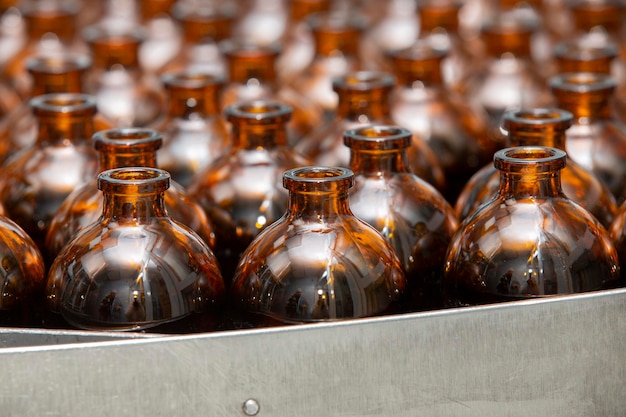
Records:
x=252, y=76
x=61, y=74
x=596, y=140
x=436, y=114
x=119, y=148
x=541, y=127
x=530, y=240
x=411, y=214
x=125, y=96
x=364, y=100
x=22, y=276
x=506, y=79
x=319, y=262
x=194, y=132
x=36, y=181
x=240, y=191
x=136, y=268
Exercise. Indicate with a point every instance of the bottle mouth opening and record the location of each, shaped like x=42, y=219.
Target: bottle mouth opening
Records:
x=58, y=64
x=134, y=180
x=191, y=80
x=63, y=103
x=378, y=138
x=260, y=111
x=537, y=120
x=317, y=178
x=364, y=80
x=130, y=139
x=582, y=82
x=535, y=159
x=585, y=49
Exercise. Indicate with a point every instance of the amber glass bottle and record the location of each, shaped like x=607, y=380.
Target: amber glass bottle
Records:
x=364, y=100
x=125, y=96
x=597, y=139
x=337, y=39
x=35, y=182
x=298, y=44
x=530, y=240
x=163, y=35
x=194, y=132
x=439, y=25
x=135, y=268
x=204, y=25
x=542, y=127
x=60, y=74
x=241, y=191
x=436, y=114
x=411, y=214
x=252, y=76
x=319, y=262
x=51, y=31
x=22, y=276
x=506, y=78
x=119, y=148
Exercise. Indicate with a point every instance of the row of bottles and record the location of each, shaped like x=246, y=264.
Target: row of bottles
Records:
x=305, y=188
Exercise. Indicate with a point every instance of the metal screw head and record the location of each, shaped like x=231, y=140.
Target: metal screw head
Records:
x=251, y=407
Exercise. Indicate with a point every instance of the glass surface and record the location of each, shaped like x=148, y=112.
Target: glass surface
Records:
x=119, y=148
x=541, y=127
x=410, y=213
x=318, y=262
x=136, y=269
x=529, y=241
x=241, y=191
x=35, y=182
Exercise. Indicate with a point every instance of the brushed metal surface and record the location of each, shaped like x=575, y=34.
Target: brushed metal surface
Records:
x=21, y=337
x=558, y=357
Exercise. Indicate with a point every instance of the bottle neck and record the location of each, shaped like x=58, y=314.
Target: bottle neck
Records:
x=133, y=208
x=552, y=138
x=318, y=207
x=586, y=105
x=185, y=102
x=249, y=136
x=520, y=185
x=379, y=162
x=58, y=76
x=110, y=159
x=355, y=105
x=60, y=128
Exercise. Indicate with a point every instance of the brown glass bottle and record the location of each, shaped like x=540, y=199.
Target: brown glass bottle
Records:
x=364, y=100
x=319, y=262
x=22, y=276
x=411, y=214
x=60, y=74
x=541, y=127
x=119, y=148
x=530, y=240
x=241, y=191
x=596, y=140
x=439, y=25
x=203, y=25
x=193, y=130
x=163, y=35
x=436, y=114
x=506, y=78
x=298, y=44
x=135, y=268
x=337, y=40
x=252, y=76
x=125, y=95
x=51, y=31
x=35, y=182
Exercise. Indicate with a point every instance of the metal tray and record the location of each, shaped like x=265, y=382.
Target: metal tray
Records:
x=562, y=356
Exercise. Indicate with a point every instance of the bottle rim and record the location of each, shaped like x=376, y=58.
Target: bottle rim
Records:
x=128, y=139
x=191, y=80
x=318, y=178
x=536, y=120
x=134, y=180
x=364, y=81
x=377, y=137
x=58, y=64
x=582, y=82
x=526, y=158
x=258, y=111
x=67, y=103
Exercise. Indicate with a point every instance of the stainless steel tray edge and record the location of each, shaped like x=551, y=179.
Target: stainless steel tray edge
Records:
x=556, y=357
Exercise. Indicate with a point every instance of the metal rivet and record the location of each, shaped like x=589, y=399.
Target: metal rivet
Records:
x=251, y=407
